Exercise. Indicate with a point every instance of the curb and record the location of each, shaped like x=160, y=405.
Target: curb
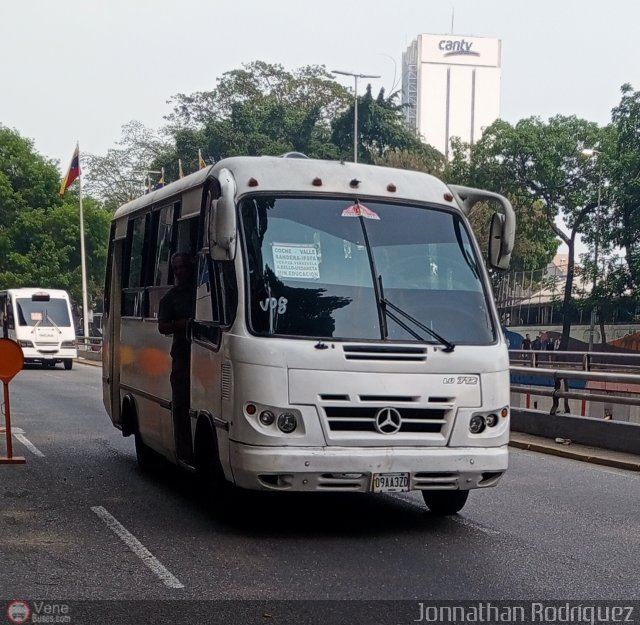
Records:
x=629, y=465
x=87, y=361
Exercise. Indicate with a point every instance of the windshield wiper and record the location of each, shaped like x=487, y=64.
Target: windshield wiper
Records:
x=386, y=304
x=44, y=318
x=53, y=323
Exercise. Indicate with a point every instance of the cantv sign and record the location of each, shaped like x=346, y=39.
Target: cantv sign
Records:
x=452, y=47
x=449, y=49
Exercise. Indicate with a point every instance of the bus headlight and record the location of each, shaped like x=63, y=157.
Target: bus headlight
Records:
x=267, y=417
x=68, y=344
x=491, y=420
x=476, y=424
x=25, y=343
x=287, y=422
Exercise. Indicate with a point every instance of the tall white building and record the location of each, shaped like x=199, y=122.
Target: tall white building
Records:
x=451, y=87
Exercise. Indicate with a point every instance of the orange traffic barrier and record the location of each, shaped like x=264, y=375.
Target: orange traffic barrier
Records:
x=11, y=361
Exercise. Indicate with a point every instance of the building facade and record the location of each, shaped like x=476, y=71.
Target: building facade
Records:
x=451, y=87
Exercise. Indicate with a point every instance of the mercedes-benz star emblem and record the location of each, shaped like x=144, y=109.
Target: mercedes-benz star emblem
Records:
x=388, y=421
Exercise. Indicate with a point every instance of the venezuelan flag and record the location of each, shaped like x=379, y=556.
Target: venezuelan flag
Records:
x=73, y=172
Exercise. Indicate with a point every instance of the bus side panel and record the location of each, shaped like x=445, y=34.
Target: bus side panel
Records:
x=145, y=369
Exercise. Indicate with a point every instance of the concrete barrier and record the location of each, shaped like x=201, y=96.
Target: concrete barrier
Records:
x=614, y=435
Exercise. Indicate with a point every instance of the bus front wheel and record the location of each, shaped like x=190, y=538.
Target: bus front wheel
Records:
x=445, y=502
x=212, y=483
x=68, y=364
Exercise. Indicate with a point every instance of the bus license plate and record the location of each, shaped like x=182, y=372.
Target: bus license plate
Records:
x=390, y=482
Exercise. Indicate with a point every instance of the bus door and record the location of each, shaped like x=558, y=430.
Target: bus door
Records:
x=206, y=355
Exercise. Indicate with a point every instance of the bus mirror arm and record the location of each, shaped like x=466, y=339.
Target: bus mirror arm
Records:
x=222, y=222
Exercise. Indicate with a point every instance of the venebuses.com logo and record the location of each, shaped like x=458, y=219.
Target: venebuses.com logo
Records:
x=18, y=612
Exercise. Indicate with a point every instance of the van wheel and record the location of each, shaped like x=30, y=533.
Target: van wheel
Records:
x=68, y=363
x=445, y=502
x=212, y=485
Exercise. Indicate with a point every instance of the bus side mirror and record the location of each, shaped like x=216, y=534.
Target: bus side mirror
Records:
x=222, y=220
x=498, y=257
x=502, y=233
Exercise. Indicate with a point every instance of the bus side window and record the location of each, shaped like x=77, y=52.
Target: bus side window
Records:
x=164, y=234
x=136, y=262
x=187, y=235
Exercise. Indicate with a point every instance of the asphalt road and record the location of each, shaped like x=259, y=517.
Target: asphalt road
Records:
x=81, y=523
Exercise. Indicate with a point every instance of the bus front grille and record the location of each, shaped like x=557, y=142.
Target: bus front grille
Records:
x=363, y=419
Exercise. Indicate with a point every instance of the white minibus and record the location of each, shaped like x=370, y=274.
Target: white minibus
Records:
x=41, y=322
x=343, y=337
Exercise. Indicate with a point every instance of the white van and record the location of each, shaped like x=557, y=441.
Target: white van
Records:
x=40, y=321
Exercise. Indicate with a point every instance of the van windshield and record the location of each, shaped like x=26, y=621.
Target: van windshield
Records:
x=55, y=312
x=323, y=267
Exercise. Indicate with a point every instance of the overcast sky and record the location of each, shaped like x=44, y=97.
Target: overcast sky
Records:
x=80, y=69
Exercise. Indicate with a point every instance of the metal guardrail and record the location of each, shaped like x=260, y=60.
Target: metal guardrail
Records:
x=561, y=368
x=91, y=345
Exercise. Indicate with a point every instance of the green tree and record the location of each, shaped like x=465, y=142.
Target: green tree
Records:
x=122, y=174
x=27, y=180
x=535, y=243
x=44, y=248
x=380, y=128
x=536, y=161
x=259, y=109
x=621, y=163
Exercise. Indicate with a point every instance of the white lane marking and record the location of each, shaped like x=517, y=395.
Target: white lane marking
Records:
x=138, y=548
x=27, y=443
x=475, y=526
x=18, y=433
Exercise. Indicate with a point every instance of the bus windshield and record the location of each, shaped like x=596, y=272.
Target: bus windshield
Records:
x=324, y=267
x=54, y=312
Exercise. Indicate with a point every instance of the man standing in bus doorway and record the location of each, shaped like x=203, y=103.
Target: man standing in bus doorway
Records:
x=175, y=310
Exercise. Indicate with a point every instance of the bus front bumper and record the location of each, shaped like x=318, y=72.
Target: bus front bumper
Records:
x=341, y=469
x=48, y=354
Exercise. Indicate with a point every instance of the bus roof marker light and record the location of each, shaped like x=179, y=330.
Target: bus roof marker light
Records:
x=252, y=182
x=448, y=197
x=354, y=183
x=317, y=182
x=391, y=187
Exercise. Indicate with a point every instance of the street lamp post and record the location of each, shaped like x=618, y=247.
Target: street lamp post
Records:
x=593, y=153
x=355, y=107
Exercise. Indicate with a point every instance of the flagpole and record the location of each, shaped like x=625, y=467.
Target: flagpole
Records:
x=85, y=307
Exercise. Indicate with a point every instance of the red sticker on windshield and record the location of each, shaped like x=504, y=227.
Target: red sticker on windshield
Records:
x=359, y=210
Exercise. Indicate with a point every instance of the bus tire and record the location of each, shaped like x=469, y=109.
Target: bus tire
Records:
x=68, y=364
x=212, y=485
x=146, y=458
x=445, y=502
